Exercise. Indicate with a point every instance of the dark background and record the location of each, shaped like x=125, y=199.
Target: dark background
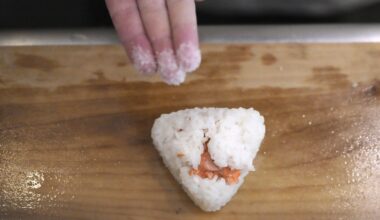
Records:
x=22, y=14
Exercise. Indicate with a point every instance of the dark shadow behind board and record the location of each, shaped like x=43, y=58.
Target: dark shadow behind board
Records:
x=24, y=14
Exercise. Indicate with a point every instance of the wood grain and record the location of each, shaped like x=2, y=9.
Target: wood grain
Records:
x=75, y=132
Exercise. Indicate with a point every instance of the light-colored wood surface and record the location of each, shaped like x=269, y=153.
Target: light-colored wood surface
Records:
x=75, y=132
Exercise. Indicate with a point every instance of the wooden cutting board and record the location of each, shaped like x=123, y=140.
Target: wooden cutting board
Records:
x=75, y=132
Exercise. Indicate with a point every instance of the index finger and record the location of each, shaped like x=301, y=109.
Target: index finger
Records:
x=183, y=21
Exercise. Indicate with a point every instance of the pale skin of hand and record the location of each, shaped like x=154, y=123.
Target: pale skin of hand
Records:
x=158, y=35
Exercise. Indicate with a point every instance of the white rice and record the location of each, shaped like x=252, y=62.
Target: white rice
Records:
x=234, y=138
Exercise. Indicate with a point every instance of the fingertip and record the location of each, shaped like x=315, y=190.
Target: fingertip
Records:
x=175, y=79
x=170, y=72
x=143, y=60
x=189, y=57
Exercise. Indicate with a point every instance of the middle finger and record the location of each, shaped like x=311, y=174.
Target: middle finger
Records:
x=156, y=22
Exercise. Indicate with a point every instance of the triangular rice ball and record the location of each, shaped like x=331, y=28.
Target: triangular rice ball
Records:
x=209, y=150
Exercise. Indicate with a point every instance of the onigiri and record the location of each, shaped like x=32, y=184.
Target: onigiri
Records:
x=209, y=151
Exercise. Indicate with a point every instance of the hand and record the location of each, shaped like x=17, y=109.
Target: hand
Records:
x=158, y=35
